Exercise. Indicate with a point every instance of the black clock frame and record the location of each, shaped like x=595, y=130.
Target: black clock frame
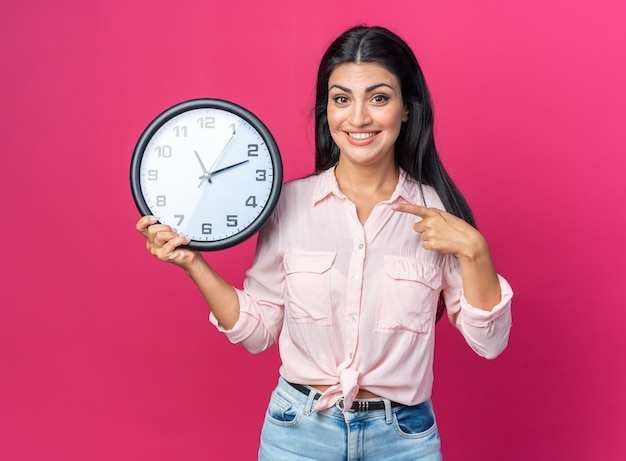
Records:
x=228, y=106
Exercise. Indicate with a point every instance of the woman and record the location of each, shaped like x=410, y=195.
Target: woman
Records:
x=354, y=266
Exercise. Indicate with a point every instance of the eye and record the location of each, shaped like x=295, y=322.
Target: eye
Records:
x=340, y=100
x=380, y=98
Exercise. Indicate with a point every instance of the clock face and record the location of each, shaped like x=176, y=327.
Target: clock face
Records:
x=210, y=169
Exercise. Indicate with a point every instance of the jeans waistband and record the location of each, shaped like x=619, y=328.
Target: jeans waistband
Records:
x=357, y=405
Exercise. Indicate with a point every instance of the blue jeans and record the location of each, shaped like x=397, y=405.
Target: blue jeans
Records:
x=292, y=433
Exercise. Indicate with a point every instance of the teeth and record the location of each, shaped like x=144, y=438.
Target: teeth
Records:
x=361, y=135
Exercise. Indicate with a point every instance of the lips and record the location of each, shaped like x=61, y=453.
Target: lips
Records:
x=361, y=137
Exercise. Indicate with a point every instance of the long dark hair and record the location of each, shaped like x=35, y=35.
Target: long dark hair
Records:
x=415, y=150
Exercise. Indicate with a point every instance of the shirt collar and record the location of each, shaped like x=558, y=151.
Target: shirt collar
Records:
x=326, y=185
x=407, y=188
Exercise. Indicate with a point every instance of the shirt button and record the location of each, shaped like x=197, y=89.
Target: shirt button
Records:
x=355, y=278
x=350, y=355
x=351, y=319
x=361, y=246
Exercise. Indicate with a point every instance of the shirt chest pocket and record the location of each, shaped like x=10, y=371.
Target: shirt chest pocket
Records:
x=308, y=294
x=408, y=298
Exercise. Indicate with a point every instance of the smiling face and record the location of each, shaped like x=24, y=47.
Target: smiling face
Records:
x=365, y=113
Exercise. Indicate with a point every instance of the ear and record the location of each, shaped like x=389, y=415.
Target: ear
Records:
x=405, y=115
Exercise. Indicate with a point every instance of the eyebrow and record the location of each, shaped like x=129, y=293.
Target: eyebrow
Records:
x=367, y=90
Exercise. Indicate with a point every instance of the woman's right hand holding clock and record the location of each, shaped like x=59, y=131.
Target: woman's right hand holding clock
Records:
x=164, y=243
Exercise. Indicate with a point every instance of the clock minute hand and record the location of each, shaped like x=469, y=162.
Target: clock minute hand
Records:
x=205, y=173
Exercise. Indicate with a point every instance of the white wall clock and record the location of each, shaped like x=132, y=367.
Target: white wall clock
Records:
x=210, y=169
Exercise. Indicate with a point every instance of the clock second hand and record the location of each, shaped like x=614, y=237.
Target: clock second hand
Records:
x=211, y=170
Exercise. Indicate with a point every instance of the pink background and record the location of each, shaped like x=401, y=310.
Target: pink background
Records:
x=107, y=354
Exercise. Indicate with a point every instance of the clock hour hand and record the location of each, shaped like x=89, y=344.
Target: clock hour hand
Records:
x=228, y=167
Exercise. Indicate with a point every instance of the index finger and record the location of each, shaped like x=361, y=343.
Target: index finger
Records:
x=145, y=222
x=416, y=210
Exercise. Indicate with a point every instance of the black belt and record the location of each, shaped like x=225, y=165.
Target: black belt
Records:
x=357, y=405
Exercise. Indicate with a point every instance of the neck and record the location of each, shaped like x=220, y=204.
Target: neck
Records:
x=366, y=187
x=367, y=180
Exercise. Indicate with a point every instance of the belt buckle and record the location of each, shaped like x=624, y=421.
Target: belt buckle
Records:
x=341, y=407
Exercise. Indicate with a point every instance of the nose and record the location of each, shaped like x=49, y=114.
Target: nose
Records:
x=360, y=115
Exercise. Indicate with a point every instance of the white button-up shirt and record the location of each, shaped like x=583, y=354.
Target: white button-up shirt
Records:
x=353, y=306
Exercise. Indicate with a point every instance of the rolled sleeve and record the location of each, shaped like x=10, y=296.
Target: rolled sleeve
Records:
x=251, y=329
x=487, y=332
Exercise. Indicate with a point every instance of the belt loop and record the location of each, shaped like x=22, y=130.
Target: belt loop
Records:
x=308, y=407
x=388, y=412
